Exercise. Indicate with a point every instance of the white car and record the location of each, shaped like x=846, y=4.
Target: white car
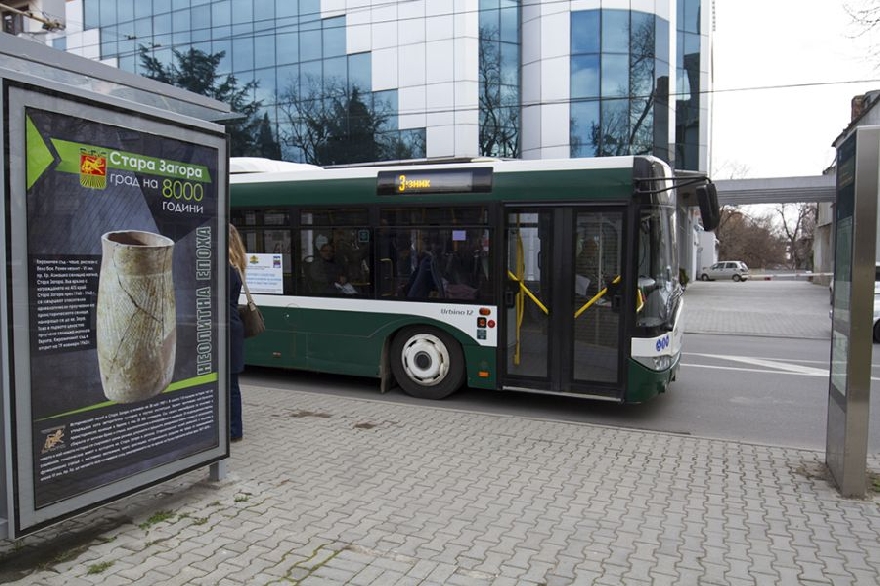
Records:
x=726, y=269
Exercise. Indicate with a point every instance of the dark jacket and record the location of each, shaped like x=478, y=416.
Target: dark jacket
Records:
x=236, y=327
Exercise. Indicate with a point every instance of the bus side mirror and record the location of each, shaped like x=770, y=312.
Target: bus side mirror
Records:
x=707, y=197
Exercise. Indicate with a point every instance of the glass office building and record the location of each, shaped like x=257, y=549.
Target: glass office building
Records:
x=441, y=79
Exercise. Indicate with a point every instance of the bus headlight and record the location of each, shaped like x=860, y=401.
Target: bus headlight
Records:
x=663, y=362
x=656, y=363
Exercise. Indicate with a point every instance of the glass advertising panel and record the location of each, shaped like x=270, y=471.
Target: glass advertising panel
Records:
x=118, y=271
x=844, y=214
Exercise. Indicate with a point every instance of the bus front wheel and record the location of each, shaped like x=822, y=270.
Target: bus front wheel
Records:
x=427, y=363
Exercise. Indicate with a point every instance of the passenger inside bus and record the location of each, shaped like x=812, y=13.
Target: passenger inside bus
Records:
x=426, y=279
x=448, y=268
x=327, y=273
x=352, y=255
x=464, y=267
x=586, y=267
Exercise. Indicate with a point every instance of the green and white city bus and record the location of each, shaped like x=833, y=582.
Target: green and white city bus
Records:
x=544, y=276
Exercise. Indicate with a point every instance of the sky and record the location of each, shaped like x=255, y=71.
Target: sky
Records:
x=769, y=43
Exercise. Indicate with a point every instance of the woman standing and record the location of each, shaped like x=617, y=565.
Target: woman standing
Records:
x=237, y=266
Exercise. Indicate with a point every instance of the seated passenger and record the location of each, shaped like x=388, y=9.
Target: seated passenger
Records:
x=326, y=270
x=425, y=279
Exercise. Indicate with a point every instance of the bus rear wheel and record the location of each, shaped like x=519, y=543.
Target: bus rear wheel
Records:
x=427, y=363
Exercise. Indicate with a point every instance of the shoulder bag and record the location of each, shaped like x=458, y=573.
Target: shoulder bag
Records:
x=250, y=314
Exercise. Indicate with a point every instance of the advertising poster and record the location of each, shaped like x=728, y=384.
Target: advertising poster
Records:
x=123, y=301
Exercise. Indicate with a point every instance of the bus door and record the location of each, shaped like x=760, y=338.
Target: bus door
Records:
x=561, y=327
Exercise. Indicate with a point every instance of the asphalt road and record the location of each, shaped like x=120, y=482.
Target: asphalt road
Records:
x=755, y=364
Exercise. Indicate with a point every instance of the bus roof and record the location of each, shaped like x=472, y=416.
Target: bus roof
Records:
x=239, y=165
x=279, y=171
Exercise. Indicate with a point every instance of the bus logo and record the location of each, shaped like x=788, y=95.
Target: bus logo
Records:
x=663, y=343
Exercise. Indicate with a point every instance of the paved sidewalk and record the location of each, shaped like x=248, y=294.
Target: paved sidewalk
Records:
x=327, y=491
x=785, y=308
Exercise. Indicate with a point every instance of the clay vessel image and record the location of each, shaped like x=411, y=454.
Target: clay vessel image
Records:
x=136, y=319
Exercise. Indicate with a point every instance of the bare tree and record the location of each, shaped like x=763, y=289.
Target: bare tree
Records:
x=332, y=123
x=499, y=100
x=626, y=123
x=752, y=240
x=611, y=137
x=307, y=116
x=731, y=170
x=354, y=131
x=798, y=225
x=643, y=92
x=865, y=15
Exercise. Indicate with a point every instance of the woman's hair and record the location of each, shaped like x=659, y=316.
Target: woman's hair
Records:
x=237, y=253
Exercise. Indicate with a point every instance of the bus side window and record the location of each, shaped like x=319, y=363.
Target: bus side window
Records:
x=466, y=269
x=353, y=252
x=306, y=284
x=426, y=280
x=341, y=265
x=400, y=262
x=443, y=263
x=386, y=261
x=267, y=243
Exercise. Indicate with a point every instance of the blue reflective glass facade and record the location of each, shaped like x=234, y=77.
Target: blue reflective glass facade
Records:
x=619, y=82
x=499, y=67
x=303, y=65
x=689, y=68
x=285, y=47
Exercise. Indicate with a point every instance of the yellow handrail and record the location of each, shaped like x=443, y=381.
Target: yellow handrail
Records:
x=594, y=298
x=520, y=299
x=524, y=289
x=640, y=299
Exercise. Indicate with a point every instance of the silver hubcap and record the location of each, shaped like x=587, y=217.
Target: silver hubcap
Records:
x=425, y=359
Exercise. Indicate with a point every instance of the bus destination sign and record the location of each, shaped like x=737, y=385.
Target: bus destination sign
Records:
x=429, y=181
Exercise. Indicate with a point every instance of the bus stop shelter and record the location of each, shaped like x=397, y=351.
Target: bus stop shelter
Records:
x=113, y=345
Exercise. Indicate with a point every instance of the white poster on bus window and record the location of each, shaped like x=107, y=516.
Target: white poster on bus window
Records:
x=265, y=273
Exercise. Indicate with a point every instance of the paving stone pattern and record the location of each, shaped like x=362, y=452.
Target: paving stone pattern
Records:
x=328, y=490
x=785, y=308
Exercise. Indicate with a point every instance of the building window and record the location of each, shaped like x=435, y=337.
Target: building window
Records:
x=615, y=77
x=688, y=90
x=305, y=75
x=499, y=67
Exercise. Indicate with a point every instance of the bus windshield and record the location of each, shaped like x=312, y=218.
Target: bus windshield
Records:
x=658, y=267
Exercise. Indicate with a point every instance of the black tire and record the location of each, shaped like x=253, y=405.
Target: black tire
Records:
x=426, y=362
x=704, y=277
x=877, y=332
x=737, y=278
